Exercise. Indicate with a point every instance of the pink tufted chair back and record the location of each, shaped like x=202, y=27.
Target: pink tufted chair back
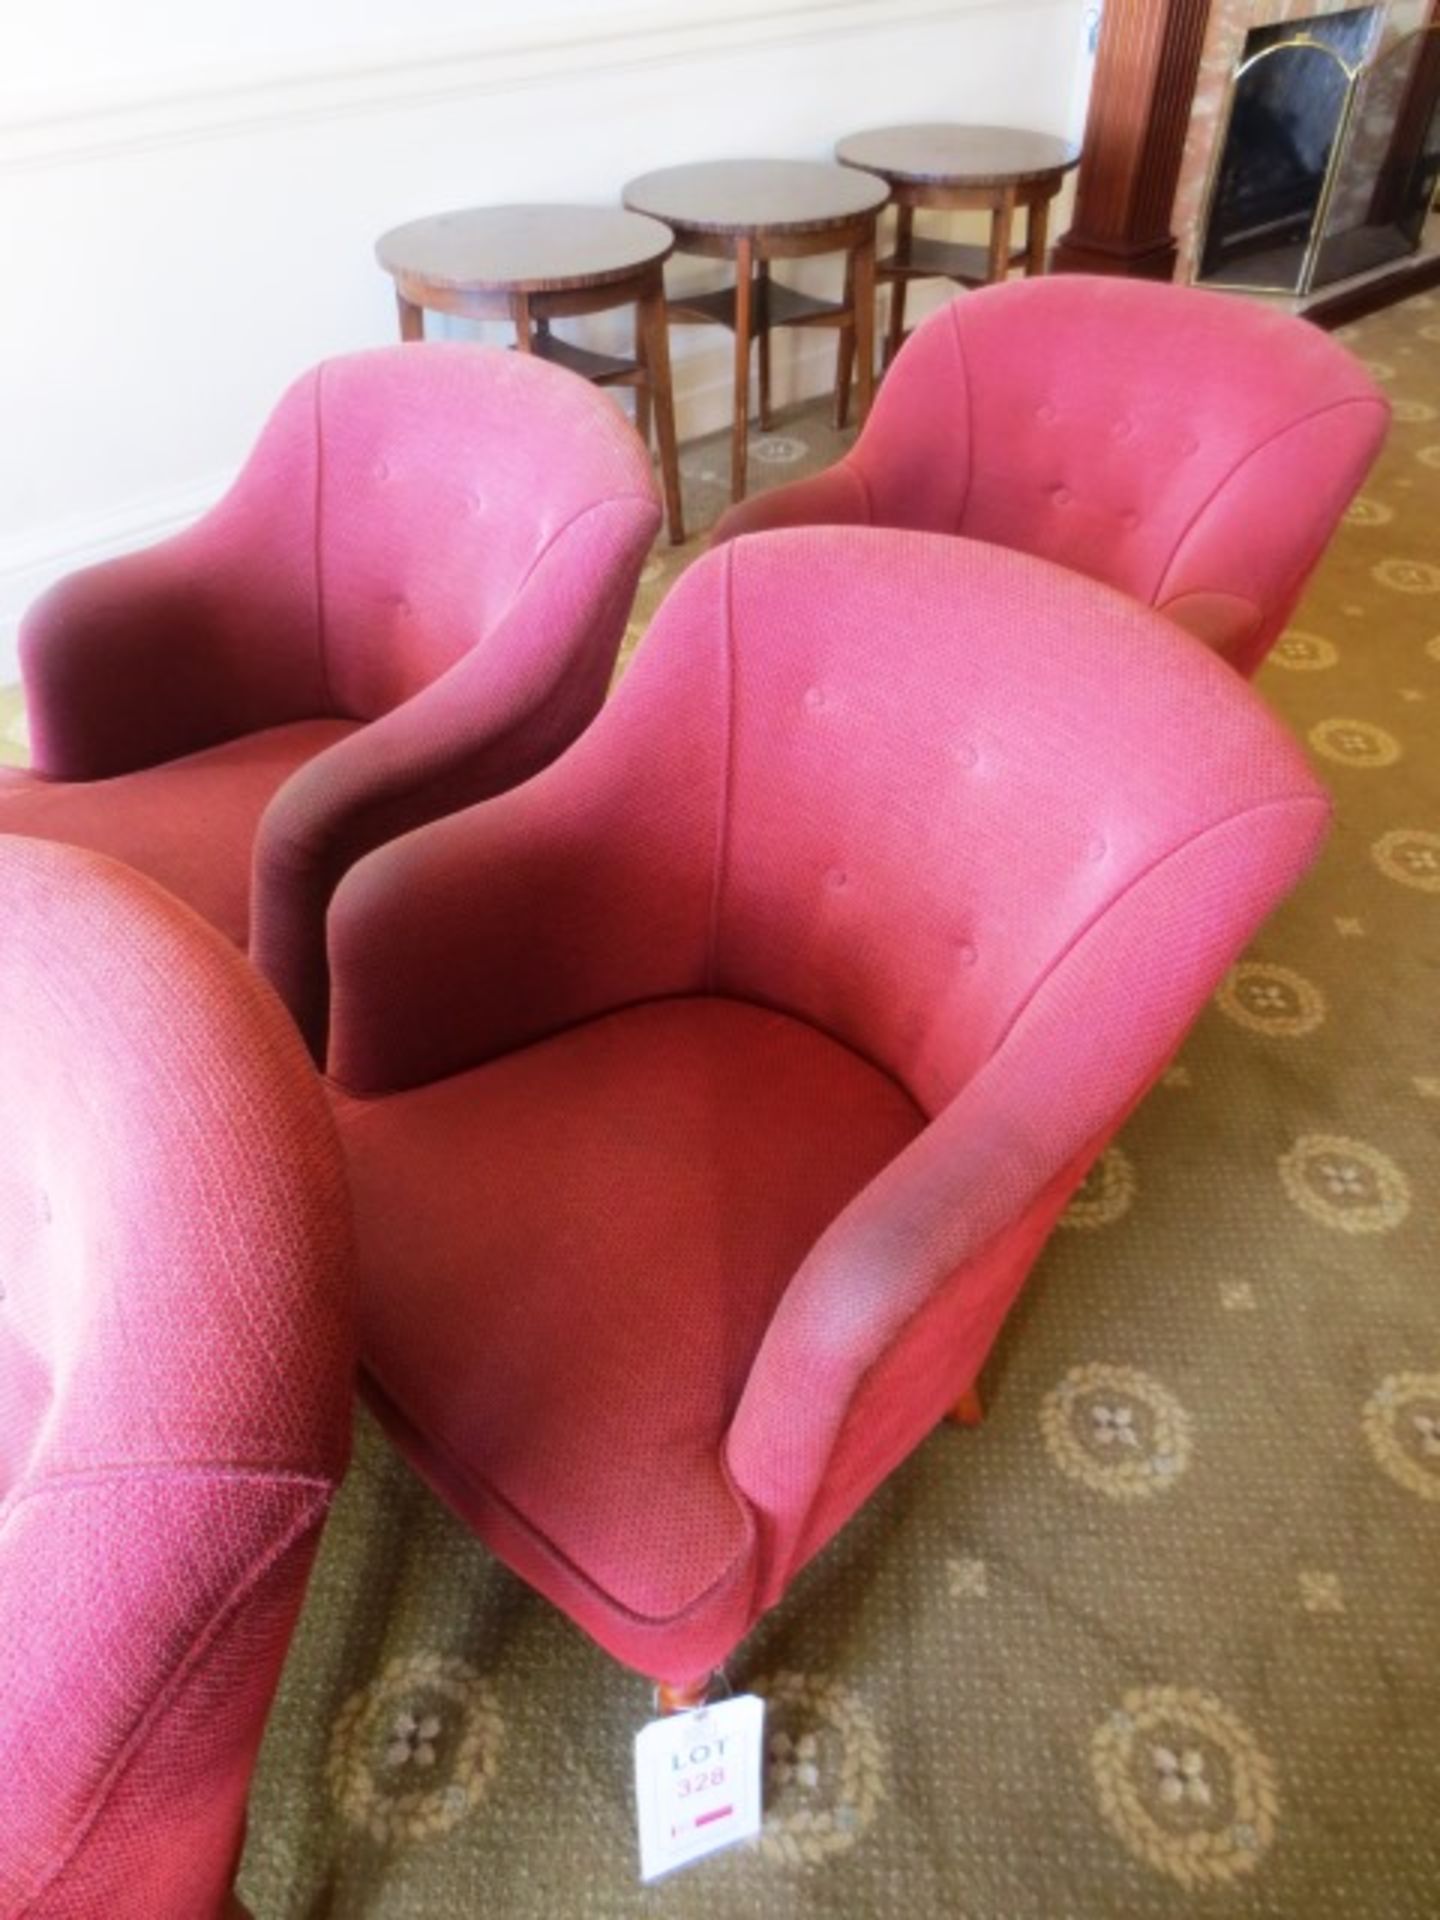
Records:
x=911, y=840
x=1194, y=449
x=176, y=1356
x=408, y=500
x=885, y=808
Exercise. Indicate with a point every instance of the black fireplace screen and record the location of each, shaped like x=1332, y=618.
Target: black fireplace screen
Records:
x=1329, y=163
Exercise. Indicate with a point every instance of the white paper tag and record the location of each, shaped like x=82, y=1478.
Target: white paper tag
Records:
x=697, y=1782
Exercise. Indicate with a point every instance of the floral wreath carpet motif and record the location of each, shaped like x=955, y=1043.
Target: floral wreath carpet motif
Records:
x=1160, y=1640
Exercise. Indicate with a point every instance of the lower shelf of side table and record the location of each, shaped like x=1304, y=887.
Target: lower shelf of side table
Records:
x=957, y=260
x=604, y=369
x=781, y=305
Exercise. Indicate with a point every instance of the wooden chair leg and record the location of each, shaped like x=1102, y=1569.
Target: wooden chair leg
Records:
x=682, y=1696
x=967, y=1410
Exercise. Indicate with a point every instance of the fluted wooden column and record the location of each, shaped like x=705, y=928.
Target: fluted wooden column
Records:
x=1140, y=105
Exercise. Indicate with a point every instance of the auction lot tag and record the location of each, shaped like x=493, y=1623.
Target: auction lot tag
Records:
x=697, y=1782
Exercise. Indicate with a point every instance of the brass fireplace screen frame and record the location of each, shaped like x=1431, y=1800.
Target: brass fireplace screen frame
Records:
x=1356, y=74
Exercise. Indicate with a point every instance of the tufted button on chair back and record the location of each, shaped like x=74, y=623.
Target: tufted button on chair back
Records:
x=423, y=497
x=176, y=1362
x=1193, y=449
x=910, y=838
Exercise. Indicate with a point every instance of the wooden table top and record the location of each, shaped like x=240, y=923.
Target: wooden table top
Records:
x=754, y=196
x=944, y=155
x=524, y=249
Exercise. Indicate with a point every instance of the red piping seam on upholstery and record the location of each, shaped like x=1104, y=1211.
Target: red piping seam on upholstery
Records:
x=959, y=341
x=722, y=807
x=1136, y=880
x=317, y=567
x=1291, y=426
x=486, y=1490
x=580, y=513
x=163, y=1471
x=199, y=1646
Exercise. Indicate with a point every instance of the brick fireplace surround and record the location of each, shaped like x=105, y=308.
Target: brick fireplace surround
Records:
x=1160, y=84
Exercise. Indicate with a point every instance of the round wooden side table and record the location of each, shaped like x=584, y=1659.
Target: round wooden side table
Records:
x=992, y=170
x=754, y=212
x=535, y=264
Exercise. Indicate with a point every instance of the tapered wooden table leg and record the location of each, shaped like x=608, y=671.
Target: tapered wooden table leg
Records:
x=520, y=314
x=865, y=326
x=762, y=322
x=744, y=296
x=904, y=233
x=412, y=319
x=1037, y=235
x=845, y=353
x=655, y=354
x=642, y=391
x=1002, y=235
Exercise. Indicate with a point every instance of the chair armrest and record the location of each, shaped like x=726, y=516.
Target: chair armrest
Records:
x=588, y=888
x=958, y=1217
x=835, y=498
x=158, y=654
x=506, y=709
x=1249, y=535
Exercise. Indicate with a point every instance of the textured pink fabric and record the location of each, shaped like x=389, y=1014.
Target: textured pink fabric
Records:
x=947, y=806
x=176, y=1358
x=435, y=545
x=151, y=819
x=589, y=1159
x=1194, y=449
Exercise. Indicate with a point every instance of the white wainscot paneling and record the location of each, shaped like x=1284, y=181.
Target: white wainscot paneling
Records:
x=182, y=244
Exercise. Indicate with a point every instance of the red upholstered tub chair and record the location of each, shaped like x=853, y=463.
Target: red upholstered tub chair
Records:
x=1194, y=449
x=411, y=598
x=177, y=1316
x=707, y=1098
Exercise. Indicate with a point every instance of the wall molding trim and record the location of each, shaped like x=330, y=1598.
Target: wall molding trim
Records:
x=41, y=130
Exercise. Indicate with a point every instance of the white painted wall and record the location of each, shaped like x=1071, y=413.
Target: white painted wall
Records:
x=189, y=195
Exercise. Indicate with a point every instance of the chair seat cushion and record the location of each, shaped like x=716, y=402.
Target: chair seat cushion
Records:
x=569, y=1258
x=188, y=823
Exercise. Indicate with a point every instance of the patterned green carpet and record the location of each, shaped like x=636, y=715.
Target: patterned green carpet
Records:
x=1162, y=1639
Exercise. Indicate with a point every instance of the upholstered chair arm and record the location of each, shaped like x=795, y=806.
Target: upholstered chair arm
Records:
x=1247, y=534
x=507, y=707
x=834, y=498
x=158, y=654
x=890, y=1316
x=166, y=1696
x=200, y=638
